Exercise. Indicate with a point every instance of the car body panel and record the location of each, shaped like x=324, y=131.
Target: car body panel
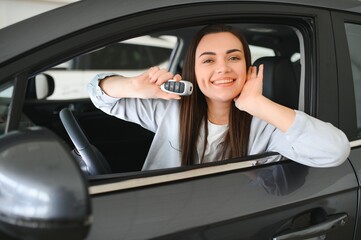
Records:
x=206, y=206
x=348, y=118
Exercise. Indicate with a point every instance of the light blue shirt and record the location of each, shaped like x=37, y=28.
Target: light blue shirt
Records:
x=308, y=141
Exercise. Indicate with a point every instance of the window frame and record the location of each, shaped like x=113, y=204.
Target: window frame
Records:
x=123, y=181
x=347, y=104
x=308, y=18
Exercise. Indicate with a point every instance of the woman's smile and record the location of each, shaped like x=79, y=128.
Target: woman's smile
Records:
x=223, y=82
x=220, y=66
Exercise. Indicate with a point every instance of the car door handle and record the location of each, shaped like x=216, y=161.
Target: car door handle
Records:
x=332, y=222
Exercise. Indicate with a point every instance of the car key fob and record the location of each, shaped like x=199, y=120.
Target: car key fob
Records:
x=183, y=88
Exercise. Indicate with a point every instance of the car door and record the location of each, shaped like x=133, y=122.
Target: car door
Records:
x=348, y=35
x=240, y=203
x=265, y=202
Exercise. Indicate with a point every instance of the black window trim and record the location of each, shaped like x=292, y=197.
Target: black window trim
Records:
x=260, y=11
x=347, y=115
x=17, y=101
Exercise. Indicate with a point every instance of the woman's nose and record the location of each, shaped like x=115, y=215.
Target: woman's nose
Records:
x=222, y=67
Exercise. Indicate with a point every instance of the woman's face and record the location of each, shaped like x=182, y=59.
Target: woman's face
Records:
x=220, y=66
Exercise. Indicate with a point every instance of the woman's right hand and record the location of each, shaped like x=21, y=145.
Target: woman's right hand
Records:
x=146, y=85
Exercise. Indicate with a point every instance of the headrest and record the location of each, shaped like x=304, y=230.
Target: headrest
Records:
x=280, y=83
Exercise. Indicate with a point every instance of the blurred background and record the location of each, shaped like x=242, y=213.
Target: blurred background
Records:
x=12, y=11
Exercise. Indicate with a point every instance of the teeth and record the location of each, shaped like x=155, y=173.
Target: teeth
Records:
x=222, y=81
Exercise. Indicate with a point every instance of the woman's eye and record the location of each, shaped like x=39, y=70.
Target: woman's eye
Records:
x=207, y=61
x=234, y=58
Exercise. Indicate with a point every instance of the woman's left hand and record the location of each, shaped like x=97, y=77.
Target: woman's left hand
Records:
x=252, y=90
x=252, y=101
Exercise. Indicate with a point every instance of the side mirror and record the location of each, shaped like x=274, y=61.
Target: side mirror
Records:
x=43, y=193
x=40, y=87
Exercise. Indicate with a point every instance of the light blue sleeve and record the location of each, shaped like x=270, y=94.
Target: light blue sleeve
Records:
x=146, y=112
x=317, y=143
x=308, y=141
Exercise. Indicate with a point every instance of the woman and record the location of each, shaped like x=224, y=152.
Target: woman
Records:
x=226, y=116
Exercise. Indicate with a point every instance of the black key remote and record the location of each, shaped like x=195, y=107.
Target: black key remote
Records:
x=183, y=88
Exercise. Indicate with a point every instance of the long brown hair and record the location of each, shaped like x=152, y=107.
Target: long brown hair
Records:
x=193, y=109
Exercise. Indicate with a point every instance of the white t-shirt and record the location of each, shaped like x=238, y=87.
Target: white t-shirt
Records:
x=215, y=139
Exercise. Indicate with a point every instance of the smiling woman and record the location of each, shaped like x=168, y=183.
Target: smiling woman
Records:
x=206, y=195
x=220, y=73
x=215, y=122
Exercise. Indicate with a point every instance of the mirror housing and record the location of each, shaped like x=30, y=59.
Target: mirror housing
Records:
x=40, y=87
x=43, y=194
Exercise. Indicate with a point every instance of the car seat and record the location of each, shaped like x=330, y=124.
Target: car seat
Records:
x=280, y=83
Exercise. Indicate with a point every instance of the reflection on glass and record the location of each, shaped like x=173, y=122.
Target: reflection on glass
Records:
x=279, y=179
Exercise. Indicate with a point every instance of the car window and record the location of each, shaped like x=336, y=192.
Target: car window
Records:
x=353, y=32
x=7, y=92
x=129, y=58
x=258, y=52
x=66, y=84
x=5, y=97
x=133, y=55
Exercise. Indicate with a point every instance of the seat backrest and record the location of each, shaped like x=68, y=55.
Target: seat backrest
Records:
x=280, y=83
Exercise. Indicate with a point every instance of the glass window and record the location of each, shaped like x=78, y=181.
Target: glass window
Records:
x=129, y=58
x=258, y=52
x=65, y=82
x=353, y=32
x=5, y=98
x=6, y=92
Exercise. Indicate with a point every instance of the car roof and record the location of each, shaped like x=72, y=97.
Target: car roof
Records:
x=29, y=34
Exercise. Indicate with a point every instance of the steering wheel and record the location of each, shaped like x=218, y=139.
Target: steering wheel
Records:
x=94, y=161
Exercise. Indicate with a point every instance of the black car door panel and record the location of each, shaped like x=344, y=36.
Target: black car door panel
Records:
x=260, y=203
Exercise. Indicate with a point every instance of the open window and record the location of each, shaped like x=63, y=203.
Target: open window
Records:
x=129, y=58
x=353, y=33
x=278, y=46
